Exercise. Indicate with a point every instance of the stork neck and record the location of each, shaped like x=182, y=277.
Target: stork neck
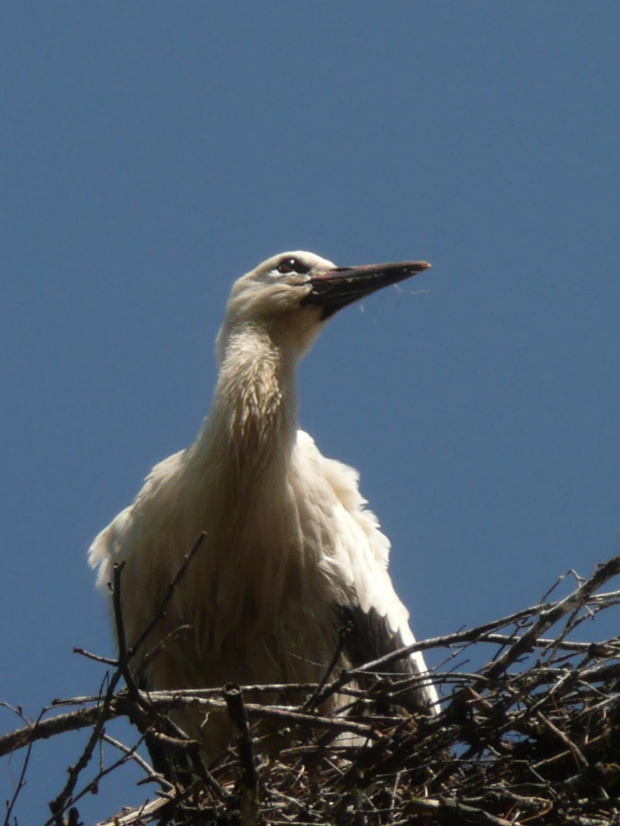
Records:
x=254, y=411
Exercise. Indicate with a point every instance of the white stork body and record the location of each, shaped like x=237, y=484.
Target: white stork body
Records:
x=290, y=552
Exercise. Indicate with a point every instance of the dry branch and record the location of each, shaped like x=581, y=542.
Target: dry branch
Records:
x=532, y=737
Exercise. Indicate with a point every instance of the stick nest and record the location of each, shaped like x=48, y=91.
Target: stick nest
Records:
x=532, y=736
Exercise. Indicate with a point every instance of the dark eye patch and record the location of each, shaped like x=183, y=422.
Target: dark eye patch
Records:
x=292, y=265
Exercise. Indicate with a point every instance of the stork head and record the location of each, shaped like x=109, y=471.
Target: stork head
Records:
x=291, y=296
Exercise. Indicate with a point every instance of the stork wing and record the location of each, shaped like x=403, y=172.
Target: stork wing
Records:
x=122, y=536
x=377, y=621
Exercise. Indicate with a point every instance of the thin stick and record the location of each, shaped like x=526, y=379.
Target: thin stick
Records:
x=245, y=750
x=161, y=611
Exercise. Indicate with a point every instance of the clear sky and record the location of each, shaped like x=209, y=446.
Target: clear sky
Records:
x=153, y=152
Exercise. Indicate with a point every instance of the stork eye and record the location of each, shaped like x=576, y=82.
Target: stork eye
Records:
x=292, y=265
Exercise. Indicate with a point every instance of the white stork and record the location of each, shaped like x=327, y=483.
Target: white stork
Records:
x=291, y=553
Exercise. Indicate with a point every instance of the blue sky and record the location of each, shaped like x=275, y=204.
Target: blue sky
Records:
x=153, y=152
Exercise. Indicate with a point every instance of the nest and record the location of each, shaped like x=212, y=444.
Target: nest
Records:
x=530, y=737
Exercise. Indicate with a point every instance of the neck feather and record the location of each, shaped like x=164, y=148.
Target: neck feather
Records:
x=253, y=418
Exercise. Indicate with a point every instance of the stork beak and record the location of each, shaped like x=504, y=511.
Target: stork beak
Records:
x=337, y=288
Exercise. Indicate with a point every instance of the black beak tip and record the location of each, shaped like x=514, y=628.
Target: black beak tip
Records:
x=341, y=286
x=424, y=265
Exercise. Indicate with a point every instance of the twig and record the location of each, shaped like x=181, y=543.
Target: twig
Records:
x=133, y=755
x=90, y=787
x=95, y=657
x=152, y=655
x=123, y=655
x=553, y=614
x=44, y=729
x=161, y=611
x=471, y=635
x=311, y=701
x=21, y=782
x=284, y=715
x=581, y=761
x=60, y=803
x=446, y=808
x=245, y=751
